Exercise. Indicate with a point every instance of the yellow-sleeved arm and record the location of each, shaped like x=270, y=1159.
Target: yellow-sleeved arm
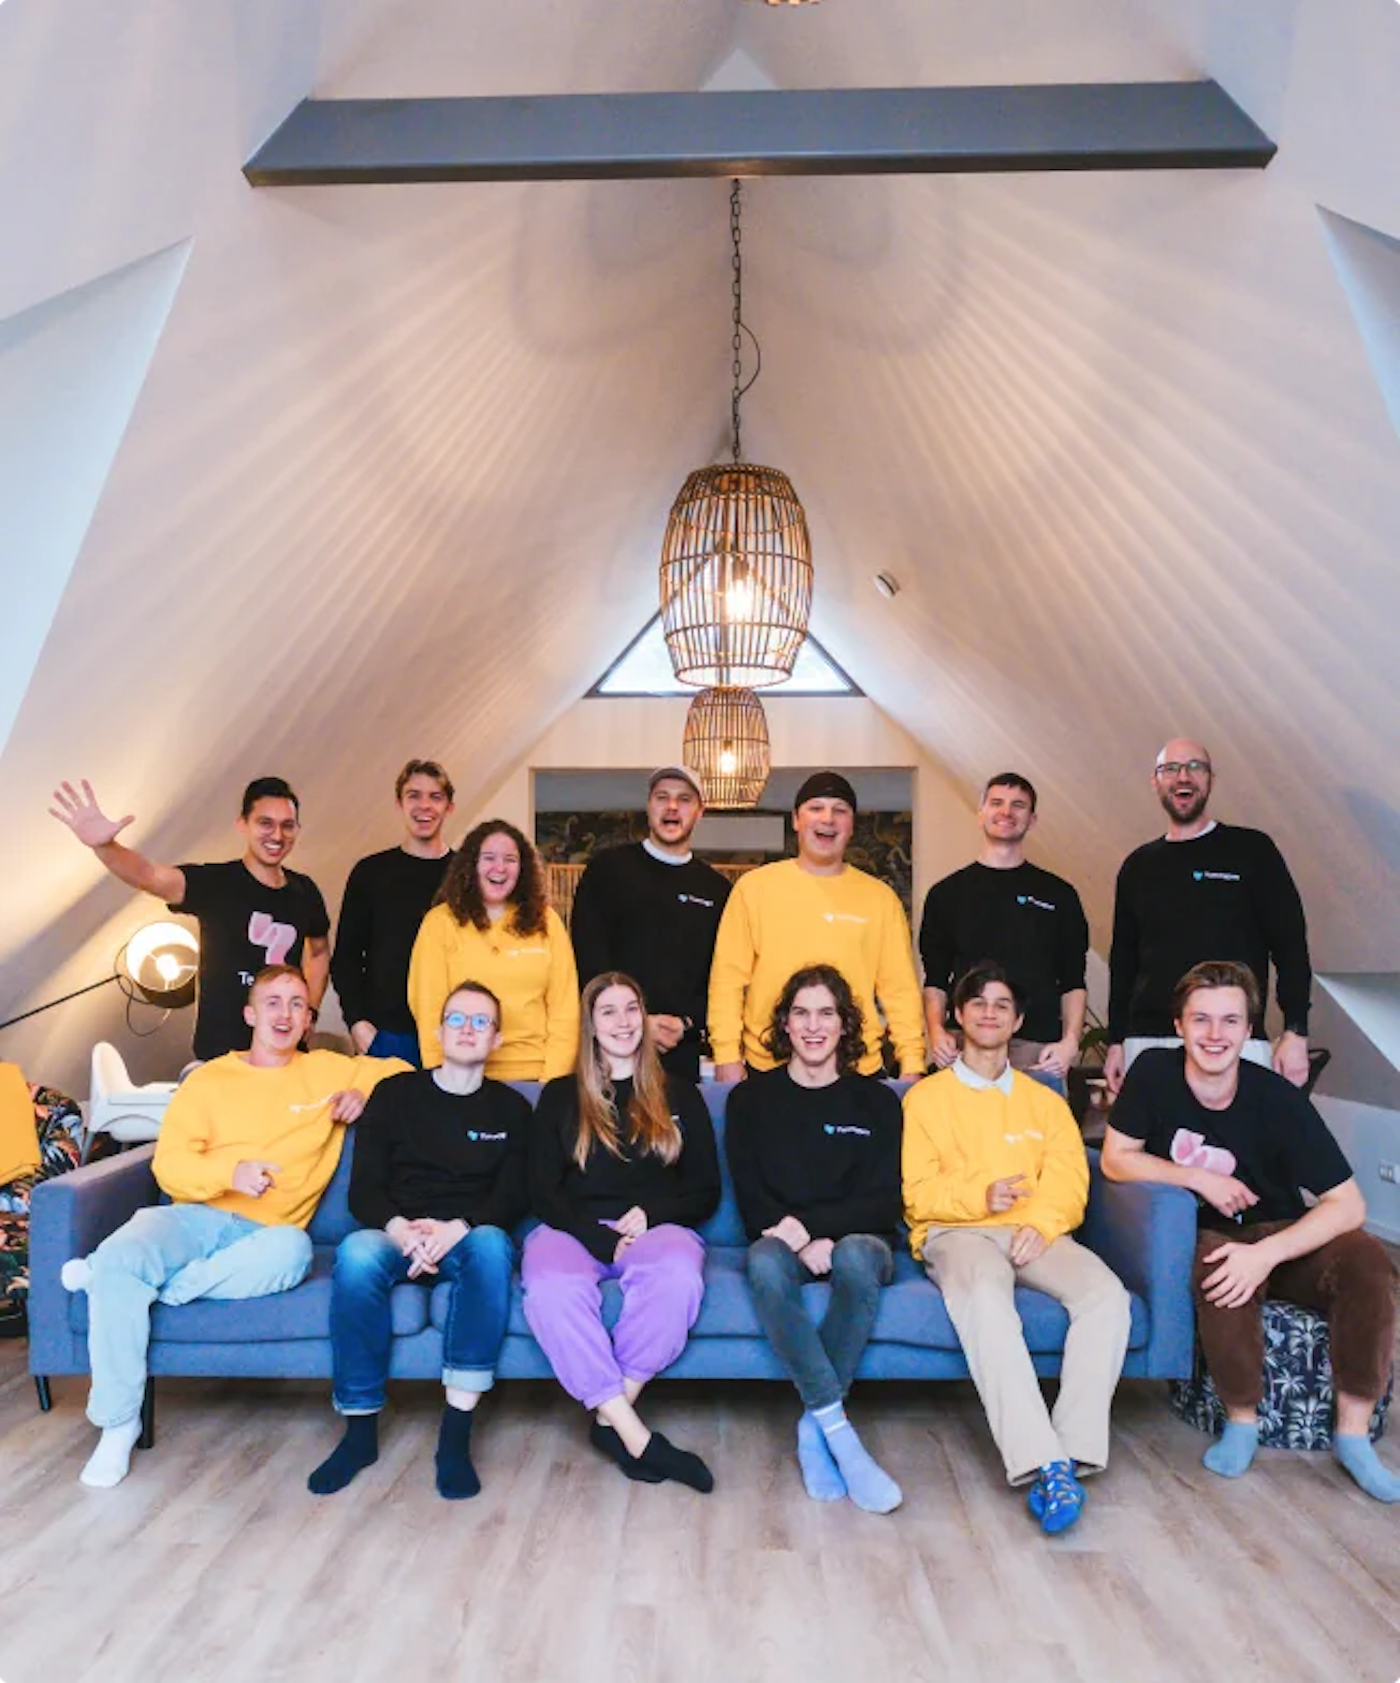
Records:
x=187, y=1164
x=365, y=1074
x=731, y=971
x=897, y=989
x=932, y=1195
x=430, y=981
x=561, y=1011
x=1057, y=1205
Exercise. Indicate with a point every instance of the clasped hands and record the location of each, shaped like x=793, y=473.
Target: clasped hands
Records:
x=1027, y=1243
x=425, y=1241
x=815, y=1253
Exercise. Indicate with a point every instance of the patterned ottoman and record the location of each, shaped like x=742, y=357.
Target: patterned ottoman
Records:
x=1296, y=1410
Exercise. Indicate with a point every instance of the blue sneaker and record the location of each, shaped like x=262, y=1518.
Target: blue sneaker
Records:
x=1056, y=1498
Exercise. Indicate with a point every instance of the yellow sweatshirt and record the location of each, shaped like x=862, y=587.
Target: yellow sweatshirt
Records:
x=533, y=976
x=228, y=1110
x=958, y=1140
x=19, y=1133
x=780, y=918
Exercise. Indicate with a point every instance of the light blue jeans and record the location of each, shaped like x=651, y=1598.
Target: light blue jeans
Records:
x=174, y=1253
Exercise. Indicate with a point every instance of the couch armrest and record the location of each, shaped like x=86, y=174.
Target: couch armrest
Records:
x=69, y=1216
x=1147, y=1236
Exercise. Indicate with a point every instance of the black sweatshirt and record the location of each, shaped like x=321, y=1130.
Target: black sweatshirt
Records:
x=579, y=1201
x=385, y=901
x=1225, y=895
x=654, y=922
x=827, y=1155
x=1026, y=919
x=420, y=1151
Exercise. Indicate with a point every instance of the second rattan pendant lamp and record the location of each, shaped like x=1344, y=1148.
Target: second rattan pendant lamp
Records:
x=736, y=591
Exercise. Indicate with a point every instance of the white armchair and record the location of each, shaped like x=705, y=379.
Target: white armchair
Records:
x=118, y=1107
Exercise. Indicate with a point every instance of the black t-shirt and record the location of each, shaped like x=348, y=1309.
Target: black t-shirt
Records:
x=420, y=1151
x=656, y=923
x=243, y=927
x=1027, y=919
x=580, y=1201
x=827, y=1155
x=1224, y=894
x=385, y=900
x=1278, y=1142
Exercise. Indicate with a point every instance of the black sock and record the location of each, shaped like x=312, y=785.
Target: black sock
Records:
x=661, y=1456
x=604, y=1437
x=358, y=1449
x=456, y=1477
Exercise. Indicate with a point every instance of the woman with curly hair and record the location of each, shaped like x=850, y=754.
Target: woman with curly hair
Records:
x=623, y=1168
x=493, y=920
x=814, y=1149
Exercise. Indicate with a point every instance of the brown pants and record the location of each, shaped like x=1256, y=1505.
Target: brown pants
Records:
x=1349, y=1280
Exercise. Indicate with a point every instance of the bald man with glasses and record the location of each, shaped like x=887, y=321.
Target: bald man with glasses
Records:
x=1203, y=891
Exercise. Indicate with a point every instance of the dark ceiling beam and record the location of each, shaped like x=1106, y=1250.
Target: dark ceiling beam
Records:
x=847, y=131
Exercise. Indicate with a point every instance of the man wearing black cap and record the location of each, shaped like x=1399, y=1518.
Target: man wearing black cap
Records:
x=814, y=909
x=651, y=909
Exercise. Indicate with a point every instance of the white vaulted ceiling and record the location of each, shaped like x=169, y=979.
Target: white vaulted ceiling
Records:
x=396, y=477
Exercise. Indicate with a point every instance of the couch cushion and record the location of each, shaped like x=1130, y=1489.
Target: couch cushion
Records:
x=304, y=1312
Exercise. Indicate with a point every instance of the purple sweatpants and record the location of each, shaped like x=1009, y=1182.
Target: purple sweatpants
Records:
x=662, y=1285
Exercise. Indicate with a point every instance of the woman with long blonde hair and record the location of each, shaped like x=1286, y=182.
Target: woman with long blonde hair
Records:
x=623, y=1167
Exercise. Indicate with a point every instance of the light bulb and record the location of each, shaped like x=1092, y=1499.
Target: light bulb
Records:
x=738, y=590
x=728, y=760
x=168, y=967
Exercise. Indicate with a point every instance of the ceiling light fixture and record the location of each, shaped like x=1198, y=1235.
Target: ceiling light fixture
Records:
x=736, y=559
x=726, y=741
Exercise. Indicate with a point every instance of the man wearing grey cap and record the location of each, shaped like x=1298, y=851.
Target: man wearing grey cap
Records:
x=815, y=909
x=651, y=910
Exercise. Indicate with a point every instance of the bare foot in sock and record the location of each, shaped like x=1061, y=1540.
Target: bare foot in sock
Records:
x=110, y=1462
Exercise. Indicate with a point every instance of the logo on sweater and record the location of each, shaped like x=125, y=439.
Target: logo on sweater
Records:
x=844, y=917
x=1216, y=876
x=1030, y=900
x=297, y=1109
x=1029, y=1134
x=695, y=900
x=836, y=1128
x=276, y=939
x=476, y=1134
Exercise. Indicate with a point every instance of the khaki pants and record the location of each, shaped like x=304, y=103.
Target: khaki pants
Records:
x=972, y=1267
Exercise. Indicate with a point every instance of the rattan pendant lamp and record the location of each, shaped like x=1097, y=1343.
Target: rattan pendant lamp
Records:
x=736, y=590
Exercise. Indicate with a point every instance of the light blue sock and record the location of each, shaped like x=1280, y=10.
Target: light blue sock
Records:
x=1235, y=1450
x=868, y=1485
x=1358, y=1455
x=820, y=1474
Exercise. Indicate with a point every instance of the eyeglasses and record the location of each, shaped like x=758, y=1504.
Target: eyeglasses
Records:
x=1174, y=768
x=480, y=1021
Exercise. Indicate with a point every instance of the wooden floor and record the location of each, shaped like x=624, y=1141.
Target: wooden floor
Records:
x=212, y=1564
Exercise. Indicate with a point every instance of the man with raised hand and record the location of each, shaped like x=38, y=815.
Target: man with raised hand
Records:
x=814, y=909
x=1004, y=908
x=651, y=910
x=252, y=912
x=249, y=1143
x=995, y=1183
x=1205, y=890
x=386, y=899
x=1250, y=1146
x=439, y=1179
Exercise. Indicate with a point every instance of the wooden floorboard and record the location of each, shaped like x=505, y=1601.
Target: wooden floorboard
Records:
x=212, y=1564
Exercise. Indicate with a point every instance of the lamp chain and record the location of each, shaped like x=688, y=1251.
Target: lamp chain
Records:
x=737, y=341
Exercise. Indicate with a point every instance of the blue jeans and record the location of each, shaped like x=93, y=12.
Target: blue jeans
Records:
x=368, y=1265
x=820, y=1361
x=174, y=1253
x=388, y=1044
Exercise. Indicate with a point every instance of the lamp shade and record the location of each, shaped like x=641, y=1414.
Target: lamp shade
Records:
x=726, y=741
x=161, y=961
x=736, y=577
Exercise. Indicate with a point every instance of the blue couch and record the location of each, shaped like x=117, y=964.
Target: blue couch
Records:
x=1145, y=1233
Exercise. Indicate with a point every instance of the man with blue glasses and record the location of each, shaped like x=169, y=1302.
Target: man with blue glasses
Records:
x=439, y=1179
x=1204, y=891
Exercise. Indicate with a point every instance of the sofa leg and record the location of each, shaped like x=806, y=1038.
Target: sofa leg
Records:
x=41, y=1385
x=147, y=1440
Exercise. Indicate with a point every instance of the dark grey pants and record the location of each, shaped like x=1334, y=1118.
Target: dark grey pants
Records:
x=820, y=1360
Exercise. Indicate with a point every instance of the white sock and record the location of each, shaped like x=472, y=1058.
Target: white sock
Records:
x=76, y=1274
x=110, y=1462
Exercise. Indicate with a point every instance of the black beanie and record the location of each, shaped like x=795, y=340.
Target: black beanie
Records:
x=826, y=785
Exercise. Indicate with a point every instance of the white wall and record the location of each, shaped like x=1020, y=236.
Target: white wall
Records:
x=1369, y=1135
